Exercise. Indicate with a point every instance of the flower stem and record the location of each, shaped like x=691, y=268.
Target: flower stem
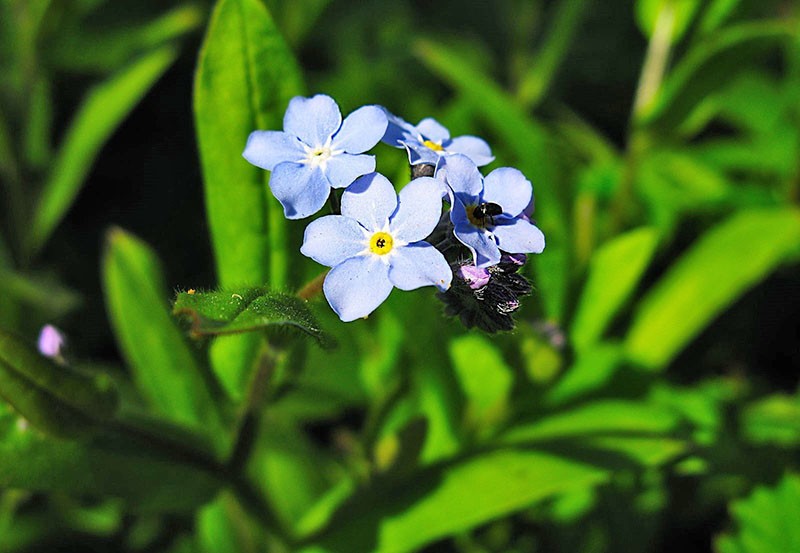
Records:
x=313, y=288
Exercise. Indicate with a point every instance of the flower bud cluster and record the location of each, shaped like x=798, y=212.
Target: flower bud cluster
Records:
x=377, y=240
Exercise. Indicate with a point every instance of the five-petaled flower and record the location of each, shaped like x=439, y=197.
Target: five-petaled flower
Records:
x=488, y=214
x=429, y=140
x=377, y=243
x=316, y=151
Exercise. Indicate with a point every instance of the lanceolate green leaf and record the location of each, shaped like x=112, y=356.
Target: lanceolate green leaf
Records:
x=724, y=263
x=248, y=310
x=245, y=78
x=56, y=399
x=162, y=365
x=104, y=109
x=615, y=270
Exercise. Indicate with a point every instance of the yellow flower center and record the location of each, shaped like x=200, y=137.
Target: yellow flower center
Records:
x=381, y=243
x=433, y=146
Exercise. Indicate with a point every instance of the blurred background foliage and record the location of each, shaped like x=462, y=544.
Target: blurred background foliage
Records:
x=647, y=401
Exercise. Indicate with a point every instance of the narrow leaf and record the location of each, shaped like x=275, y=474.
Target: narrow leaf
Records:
x=162, y=365
x=248, y=310
x=104, y=109
x=615, y=270
x=723, y=264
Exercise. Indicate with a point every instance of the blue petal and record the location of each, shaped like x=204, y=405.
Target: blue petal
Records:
x=266, y=149
x=356, y=287
x=312, y=120
x=485, y=252
x=332, y=239
x=370, y=200
x=508, y=188
x=432, y=130
x=418, y=265
x=419, y=209
x=519, y=237
x=343, y=169
x=473, y=147
x=361, y=130
x=397, y=130
x=419, y=153
x=301, y=190
x=461, y=174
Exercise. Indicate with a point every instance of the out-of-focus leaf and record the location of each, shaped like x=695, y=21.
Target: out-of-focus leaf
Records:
x=597, y=418
x=38, y=123
x=593, y=368
x=51, y=298
x=223, y=526
x=485, y=379
x=543, y=67
x=162, y=365
x=701, y=405
x=403, y=515
x=715, y=14
x=56, y=399
x=709, y=64
x=773, y=420
x=105, y=107
x=675, y=15
x=107, y=466
x=724, y=263
x=769, y=154
x=247, y=310
x=245, y=77
x=529, y=142
x=614, y=272
x=296, y=18
x=78, y=47
x=766, y=520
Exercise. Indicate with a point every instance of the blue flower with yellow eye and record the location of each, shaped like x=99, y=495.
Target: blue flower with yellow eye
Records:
x=377, y=244
x=488, y=214
x=429, y=140
x=316, y=151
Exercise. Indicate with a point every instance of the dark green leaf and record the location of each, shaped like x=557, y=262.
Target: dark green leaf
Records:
x=248, y=310
x=766, y=520
x=161, y=362
x=101, y=113
x=725, y=262
x=56, y=399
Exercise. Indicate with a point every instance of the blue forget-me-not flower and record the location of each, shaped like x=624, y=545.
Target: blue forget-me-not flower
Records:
x=488, y=214
x=377, y=244
x=316, y=151
x=429, y=140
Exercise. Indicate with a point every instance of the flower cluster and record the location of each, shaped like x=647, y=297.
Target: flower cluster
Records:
x=377, y=240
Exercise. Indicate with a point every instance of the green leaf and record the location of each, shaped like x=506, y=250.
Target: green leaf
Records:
x=531, y=145
x=108, y=465
x=248, y=310
x=442, y=500
x=716, y=12
x=105, y=107
x=593, y=368
x=677, y=14
x=723, y=264
x=773, y=420
x=162, y=365
x=485, y=379
x=56, y=399
x=710, y=64
x=245, y=77
x=614, y=272
x=766, y=520
x=223, y=526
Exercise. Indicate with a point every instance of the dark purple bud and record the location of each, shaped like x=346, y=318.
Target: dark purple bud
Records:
x=517, y=259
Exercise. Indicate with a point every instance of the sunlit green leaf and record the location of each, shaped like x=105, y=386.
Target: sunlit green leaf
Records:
x=614, y=272
x=162, y=365
x=724, y=263
x=247, y=310
x=766, y=520
x=56, y=399
x=773, y=420
x=593, y=368
x=403, y=515
x=716, y=12
x=674, y=15
x=223, y=526
x=105, y=107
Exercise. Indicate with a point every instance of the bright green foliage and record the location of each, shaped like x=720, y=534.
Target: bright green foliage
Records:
x=705, y=280
x=247, y=310
x=58, y=400
x=163, y=366
x=670, y=17
x=773, y=420
x=766, y=520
